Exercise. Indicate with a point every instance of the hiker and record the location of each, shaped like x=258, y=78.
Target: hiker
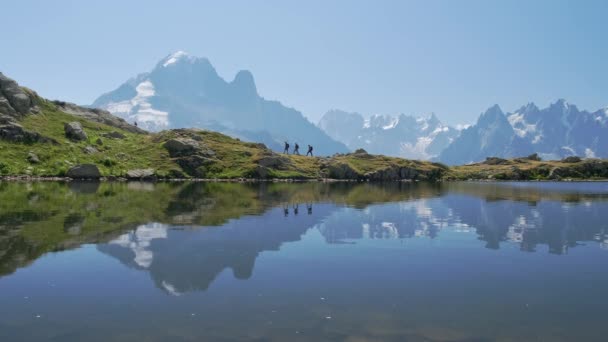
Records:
x=309, y=150
x=135, y=123
x=296, y=149
x=286, y=151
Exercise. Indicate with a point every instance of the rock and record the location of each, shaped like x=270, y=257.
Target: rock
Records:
x=571, y=159
x=90, y=150
x=15, y=96
x=13, y=131
x=181, y=146
x=360, y=151
x=275, y=161
x=33, y=158
x=260, y=172
x=114, y=135
x=73, y=130
x=72, y=224
x=84, y=171
x=99, y=142
x=341, y=171
x=495, y=161
x=141, y=174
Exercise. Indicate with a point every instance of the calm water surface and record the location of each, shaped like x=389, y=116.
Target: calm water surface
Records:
x=304, y=262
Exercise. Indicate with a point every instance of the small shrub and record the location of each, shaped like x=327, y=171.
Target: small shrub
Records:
x=108, y=162
x=4, y=168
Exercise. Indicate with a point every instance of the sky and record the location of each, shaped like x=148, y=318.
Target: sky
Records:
x=453, y=58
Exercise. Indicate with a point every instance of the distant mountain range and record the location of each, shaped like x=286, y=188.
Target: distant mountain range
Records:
x=402, y=136
x=555, y=132
x=185, y=91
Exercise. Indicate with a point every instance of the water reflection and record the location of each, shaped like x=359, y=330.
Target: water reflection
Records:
x=185, y=235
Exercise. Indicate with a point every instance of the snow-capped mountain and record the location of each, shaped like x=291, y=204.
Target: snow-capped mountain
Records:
x=555, y=132
x=403, y=135
x=186, y=91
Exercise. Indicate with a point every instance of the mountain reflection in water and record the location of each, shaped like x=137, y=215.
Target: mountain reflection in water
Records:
x=398, y=261
x=185, y=235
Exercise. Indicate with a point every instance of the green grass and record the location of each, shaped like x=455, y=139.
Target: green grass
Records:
x=115, y=156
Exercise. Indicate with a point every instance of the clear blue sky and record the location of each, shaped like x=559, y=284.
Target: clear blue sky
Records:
x=454, y=58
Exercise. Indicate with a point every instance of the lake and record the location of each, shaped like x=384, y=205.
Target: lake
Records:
x=303, y=262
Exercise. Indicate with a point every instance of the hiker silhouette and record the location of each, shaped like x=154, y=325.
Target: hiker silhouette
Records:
x=296, y=149
x=309, y=150
x=286, y=148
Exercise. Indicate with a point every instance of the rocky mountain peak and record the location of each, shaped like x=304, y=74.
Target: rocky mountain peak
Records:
x=244, y=82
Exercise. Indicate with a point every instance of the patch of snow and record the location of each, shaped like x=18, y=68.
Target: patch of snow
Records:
x=139, y=109
x=520, y=126
x=418, y=150
x=461, y=127
x=139, y=242
x=422, y=121
x=367, y=123
x=440, y=129
x=171, y=289
x=173, y=58
x=392, y=124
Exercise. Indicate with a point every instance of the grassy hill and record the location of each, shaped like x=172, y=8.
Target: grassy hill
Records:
x=42, y=138
x=35, y=141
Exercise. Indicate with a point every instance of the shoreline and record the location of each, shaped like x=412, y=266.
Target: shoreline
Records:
x=26, y=178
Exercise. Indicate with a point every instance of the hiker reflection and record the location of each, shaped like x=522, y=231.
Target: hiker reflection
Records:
x=309, y=208
x=295, y=209
x=286, y=210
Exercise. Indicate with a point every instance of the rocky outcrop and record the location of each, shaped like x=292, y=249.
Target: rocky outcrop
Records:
x=181, y=146
x=190, y=152
x=274, y=161
x=97, y=115
x=74, y=131
x=141, y=174
x=340, y=170
x=14, y=100
x=12, y=131
x=84, y=171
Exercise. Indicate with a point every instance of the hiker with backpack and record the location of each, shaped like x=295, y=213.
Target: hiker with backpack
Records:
x=309, y=150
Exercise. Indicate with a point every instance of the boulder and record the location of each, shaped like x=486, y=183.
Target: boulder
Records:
x=181, y=146
x=73, y=130
x=84, y=171
x=141, y=174
x=90, y=150
x=99, y=141
x=114, y=135
x=33, y=158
